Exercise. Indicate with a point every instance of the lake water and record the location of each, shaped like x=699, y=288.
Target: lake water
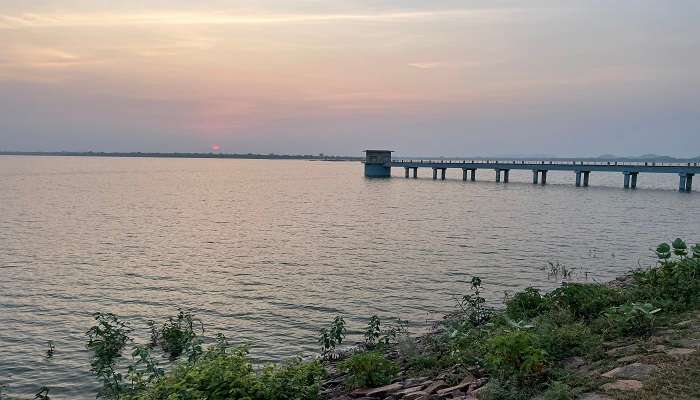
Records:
x=267, y=252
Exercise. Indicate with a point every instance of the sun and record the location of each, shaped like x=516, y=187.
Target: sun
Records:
x=215, y=148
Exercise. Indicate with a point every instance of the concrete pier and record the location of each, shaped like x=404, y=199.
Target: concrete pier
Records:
x=379, y=163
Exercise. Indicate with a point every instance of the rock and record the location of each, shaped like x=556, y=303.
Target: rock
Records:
x=478, y=384
x=479, y=392
x=636, y=371
x=435, y=386
x=415, y=396
x=594, y=396
x=458, y=388
x=408, y=390
x=622, y=350
x=377, y=392
x=573, y=363
x=624, y=385
x=680, y=352
x=415, y=381
x=633, y=357
x=692, y=343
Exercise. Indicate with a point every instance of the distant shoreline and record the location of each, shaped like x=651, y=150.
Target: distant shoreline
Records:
x=323, y=157
x=249, y=156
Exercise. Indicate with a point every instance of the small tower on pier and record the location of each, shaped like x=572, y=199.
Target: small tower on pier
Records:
x=378, y=163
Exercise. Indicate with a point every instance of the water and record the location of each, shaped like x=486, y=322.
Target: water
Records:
x=267, y=252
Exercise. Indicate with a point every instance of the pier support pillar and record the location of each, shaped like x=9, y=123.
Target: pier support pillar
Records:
x=434, y=173
x=578, y=178
x=627, y=180
x=535, y=176
x=586, y=174
x=415, y=172
x=544, y=177
x=472, y=177
x=498, y=175
x=505, y=175
x=686, y=182
x=634, y=180
x=406, y=171
x=464, y=174
x=442, y=173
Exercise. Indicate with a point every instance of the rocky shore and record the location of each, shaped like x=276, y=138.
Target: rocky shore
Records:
x=628, y=367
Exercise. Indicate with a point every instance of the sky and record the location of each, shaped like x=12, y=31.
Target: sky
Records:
x=439, y=77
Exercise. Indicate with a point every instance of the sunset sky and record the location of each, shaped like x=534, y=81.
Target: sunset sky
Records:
x=434, y=77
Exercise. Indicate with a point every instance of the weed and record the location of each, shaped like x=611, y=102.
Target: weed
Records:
x=586, y=301
x=178, y=335
x=527, y=304
x=473, y=306
x=42, y=394
x=373, y=332
x=368, y=369
x=558, y=391
x=50, y=351
x=107, y=340
x=632, y=319
x=516, y=355
x=332, y=336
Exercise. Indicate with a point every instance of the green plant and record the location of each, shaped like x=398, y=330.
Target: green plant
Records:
x=679, y=247
x=368, y=369
x=473, y=306
x=51, y=350
x=144, y=370
x=561, y=341
x=373, y=332
x=586, y=300
x=107, y=340
x=42, y=394
x=178, y=335
x=332, y=336
x=527, y=304
x=222, y=375
x=632, y=319
x=558, y=391
x=675, y=283
x=516, y=355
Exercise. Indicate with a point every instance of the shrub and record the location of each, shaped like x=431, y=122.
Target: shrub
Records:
x=368, y=369
x=675, y=283
x=473, y=307
x=568, y=340
x=558, y=391
x=373, y=332
x=177, y=335
x=107, y=339
x=332, y=336
x=586, y=300
x=527, y=304
x=632, y=319
x=516, y=356
x=222, y=375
